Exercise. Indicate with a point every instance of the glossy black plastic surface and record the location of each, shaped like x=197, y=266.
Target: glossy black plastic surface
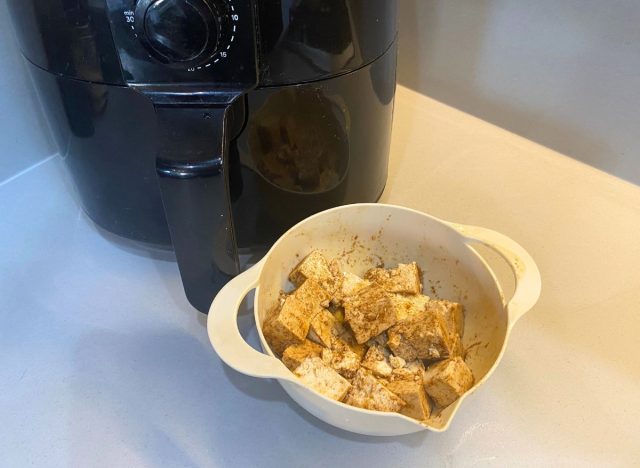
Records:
x=192, y=165
x=229, y=63
x=107, y=136
x=189, y=148
x=72, y=38
x=305, y=40
x=177, y=30
x=299, y=40
x=311, y=147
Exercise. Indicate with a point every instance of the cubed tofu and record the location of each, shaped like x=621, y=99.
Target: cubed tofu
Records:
x=413, y=370
x=335, y=268
x=413, y=394
x=420, y=336
x=396, y=362
x=406, y=278
x=336, y=273
x=313, y=296
x=417, y=367
x=348, y=337
x=341, y=358
x=369, y=393
x=452, y=312
x=447, y=380
x=322, y=378
x=408, y=304
x=295, y=354
x=287, y=326
x=352, y=284
x=376, y=361
x=323, y=327
x=369, y=313
x=314, y=266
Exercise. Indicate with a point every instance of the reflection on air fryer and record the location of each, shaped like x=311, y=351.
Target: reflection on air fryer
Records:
x=298, y=143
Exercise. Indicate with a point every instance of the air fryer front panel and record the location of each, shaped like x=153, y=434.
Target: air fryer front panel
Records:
x=310, y=147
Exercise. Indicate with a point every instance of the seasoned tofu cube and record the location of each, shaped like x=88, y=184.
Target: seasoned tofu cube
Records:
x=396, y=362
x=447, y=380
x=322, y=378
x=314, y=266
x=348, y=337
x=411, y=391
x=313, y=296
x=335, y=268
x=323, y=327
x=369, y=313
x=403, y=279
x=413, y=370
x=452, y=312
x=420, y=336
x=287, y=326
x=417, y=367
x=295, y=354
x=369, y=393
x=407, y=305
x=336, y=273
x=376, y=361
x=341, y=358
x=352, y=284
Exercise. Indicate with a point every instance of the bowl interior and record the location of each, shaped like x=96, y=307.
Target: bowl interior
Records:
x=362, y=236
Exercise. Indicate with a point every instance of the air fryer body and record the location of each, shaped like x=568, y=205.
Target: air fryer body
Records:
x=313, y=132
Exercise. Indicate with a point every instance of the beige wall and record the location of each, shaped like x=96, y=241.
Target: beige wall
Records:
x=564, y=73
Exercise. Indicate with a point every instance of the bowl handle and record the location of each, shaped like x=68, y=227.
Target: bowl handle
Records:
x=222, y=326
x=525, y=270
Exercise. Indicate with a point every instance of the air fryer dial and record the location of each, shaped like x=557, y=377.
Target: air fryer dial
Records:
x=186, y=33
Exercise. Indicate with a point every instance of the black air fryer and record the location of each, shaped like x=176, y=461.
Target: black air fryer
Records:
x=212, y=126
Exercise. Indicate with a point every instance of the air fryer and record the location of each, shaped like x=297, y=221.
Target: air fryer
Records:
x=212, y=126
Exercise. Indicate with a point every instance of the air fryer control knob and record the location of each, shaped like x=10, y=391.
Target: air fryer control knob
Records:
x=178, y=31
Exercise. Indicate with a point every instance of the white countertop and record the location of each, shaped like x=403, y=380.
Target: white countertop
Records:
x=103, y=362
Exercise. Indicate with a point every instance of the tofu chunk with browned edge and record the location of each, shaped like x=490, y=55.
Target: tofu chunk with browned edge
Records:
x=295, y=354
x=377, y=362
x=369, y=313
x=322, y=378
x=452, y=312
x=314, y=266
x=347, y=336
x=447, y=380
x=413, y=368
x=287, y=325
x=352, y=284
x=313, y=296
x=323, y=328
x=406, y=278
x=341, y=358
x=407, y=305
x=420, y=336
x=410, y=388
x=369, y=393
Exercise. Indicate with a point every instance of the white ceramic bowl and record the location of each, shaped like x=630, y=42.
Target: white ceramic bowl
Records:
x=362, y=234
